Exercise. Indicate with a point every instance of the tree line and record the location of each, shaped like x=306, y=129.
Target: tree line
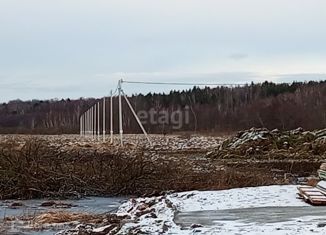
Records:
x=219, y=109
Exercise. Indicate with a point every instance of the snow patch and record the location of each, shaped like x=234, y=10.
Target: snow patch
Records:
x=266, y=196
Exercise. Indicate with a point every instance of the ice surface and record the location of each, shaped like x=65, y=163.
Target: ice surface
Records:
x=256, y=210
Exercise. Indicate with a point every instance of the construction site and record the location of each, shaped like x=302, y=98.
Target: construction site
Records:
x=162, y=117
x=76, y=166
x=106, y=181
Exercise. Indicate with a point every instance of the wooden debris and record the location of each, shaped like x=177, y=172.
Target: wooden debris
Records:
x=312, y=195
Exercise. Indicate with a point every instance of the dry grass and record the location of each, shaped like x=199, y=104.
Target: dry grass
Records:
x=37, y=169
x=54, y=217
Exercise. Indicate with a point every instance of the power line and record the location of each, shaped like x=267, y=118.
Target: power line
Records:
x=186, y=83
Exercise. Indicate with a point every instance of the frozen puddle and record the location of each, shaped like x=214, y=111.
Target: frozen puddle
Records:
x=92, y=205
x=258, y=210
x=263, y=220
x=259, y=216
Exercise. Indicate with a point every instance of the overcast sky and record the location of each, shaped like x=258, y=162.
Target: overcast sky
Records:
x=80, y=48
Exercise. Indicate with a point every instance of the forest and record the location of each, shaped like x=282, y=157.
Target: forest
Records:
x=211, y=110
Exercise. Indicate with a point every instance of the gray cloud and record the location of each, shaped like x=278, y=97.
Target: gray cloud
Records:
x=75, y=48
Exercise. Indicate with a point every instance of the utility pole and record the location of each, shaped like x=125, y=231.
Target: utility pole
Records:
x=86, y=122
x=120, y=113
x=111, y=117
x=92, y=121
x=98, y=121
x=89, y=121
x=81, y=125
x=103, y=122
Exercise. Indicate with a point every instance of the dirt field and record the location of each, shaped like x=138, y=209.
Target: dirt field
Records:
x=73, y=166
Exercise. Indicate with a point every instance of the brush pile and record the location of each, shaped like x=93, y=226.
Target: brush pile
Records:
x=40, y=166
x=274, y=144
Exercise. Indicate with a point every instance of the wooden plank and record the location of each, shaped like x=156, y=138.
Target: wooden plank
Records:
x=317, y=202
x=315, y=194
x=306, y=188
x=312, y=195
x=312, y=191
x=317, y=197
